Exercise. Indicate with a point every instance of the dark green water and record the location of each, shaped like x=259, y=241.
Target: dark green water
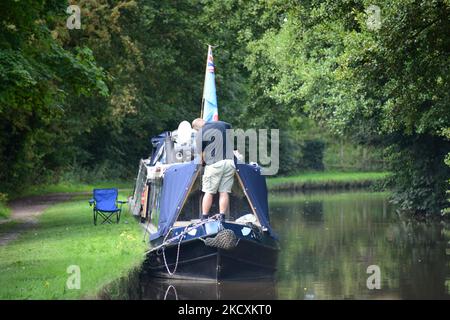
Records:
x=328, y=240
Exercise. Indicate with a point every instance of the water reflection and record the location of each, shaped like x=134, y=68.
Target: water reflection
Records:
x=139, y=286
x=186, y=290
x=327, y=242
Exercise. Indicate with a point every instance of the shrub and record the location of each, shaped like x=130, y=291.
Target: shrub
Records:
x=4, y=210
x=313, y=151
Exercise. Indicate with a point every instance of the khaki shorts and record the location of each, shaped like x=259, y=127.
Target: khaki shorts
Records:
x=218, y=176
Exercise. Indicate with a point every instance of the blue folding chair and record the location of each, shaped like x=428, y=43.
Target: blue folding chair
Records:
x=106, y=204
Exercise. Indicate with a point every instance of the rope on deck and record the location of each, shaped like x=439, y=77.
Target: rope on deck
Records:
x=225, y=239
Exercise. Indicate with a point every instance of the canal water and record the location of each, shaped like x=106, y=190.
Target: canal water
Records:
x=333, y=246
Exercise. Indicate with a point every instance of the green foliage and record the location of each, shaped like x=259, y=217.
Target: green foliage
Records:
x=446, y=210
x=313, y=154
x=419, y=182
x=299, y=155
x=386, y=88
x=307, y=146
x=326, y=180
x=290, y=154
x=341, y=155
x=4, y=210
x=82, y=104
x=36, y=78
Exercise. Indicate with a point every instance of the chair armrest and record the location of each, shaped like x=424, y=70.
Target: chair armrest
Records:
x=91, y=202
x=120, y=201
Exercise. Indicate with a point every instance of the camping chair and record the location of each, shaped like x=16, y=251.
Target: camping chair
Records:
x=106, y=204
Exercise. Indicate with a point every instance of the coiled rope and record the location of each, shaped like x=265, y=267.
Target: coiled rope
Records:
x=225, y=239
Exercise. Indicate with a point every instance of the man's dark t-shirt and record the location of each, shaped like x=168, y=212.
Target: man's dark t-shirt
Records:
x=215, y=141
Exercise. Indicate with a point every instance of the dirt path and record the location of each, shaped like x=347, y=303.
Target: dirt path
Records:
x=24, y=213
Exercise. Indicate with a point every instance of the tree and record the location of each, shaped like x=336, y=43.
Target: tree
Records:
x=387, y=87
x=36, y=78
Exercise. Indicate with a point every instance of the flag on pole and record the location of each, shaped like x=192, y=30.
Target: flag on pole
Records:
x=210, y=111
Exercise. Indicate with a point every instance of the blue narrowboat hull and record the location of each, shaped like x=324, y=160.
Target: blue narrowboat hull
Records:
x=254, y=257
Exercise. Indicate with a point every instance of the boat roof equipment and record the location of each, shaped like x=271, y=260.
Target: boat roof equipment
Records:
x=158, y=146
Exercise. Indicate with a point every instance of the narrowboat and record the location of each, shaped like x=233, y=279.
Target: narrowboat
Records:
x=167, y=198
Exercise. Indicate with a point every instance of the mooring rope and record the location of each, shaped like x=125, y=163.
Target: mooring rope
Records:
x=180, y=238
x=178, y=253
x=174, y=290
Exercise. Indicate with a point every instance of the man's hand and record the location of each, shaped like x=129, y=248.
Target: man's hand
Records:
x=203, y=158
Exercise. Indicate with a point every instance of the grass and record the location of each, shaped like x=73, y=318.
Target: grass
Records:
x=7, y=226
x=71, y=187
x=326, y=180
x=35, y=265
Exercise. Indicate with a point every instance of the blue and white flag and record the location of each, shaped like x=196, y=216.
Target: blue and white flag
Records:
x=210, y=111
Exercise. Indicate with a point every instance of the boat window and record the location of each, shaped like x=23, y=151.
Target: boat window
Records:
x=192, y=207
x=239, y=205
x=154, y=201
x=139, y=189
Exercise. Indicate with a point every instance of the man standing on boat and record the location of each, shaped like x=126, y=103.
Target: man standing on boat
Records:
x=215, y=148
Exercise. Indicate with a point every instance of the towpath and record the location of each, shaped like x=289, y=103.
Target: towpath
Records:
x=25, y=211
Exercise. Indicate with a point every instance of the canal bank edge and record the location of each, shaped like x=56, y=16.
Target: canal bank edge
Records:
x=329, y=180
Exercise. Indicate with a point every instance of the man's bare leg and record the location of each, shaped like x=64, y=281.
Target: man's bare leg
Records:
x=224, y=201
x=207, y=203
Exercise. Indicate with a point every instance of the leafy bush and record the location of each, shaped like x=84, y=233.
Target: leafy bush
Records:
x=290, y=154
x=420, y=183
x=313, y=151
x=446, y=211
x=4, y=210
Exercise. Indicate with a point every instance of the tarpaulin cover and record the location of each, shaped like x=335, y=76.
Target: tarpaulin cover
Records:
x=256, y=189
x=177, y=180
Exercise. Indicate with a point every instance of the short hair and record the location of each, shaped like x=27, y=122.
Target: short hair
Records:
x=198, y=123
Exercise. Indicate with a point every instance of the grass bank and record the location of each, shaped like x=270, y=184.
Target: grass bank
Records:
x=35, y=265
x=70, y=187
x=326, y=180
x=323, y=196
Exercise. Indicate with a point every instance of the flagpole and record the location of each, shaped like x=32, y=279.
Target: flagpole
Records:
x=203, y=94
x=201, y=108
